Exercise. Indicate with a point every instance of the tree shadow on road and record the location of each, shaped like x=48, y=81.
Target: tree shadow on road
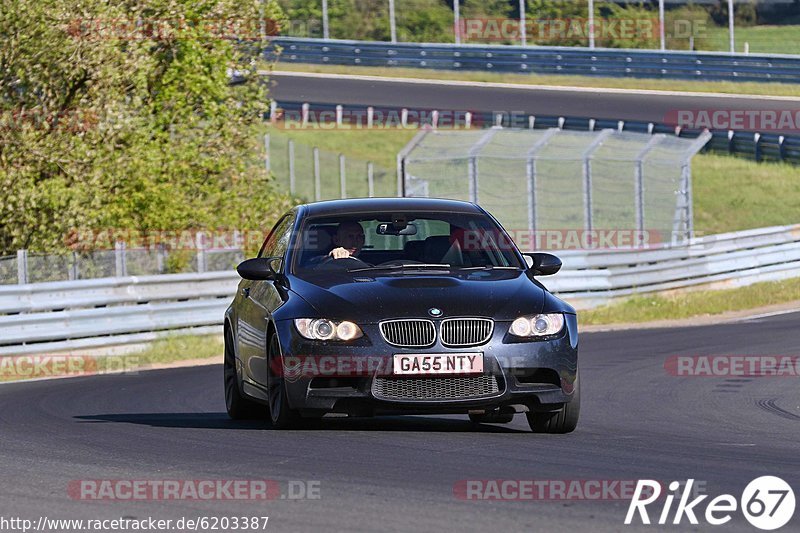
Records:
x=222, y=421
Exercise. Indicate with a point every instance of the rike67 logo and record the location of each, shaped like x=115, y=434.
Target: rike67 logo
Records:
x=767, y=502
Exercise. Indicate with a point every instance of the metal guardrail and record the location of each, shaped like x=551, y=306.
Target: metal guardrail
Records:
x=543, y=60
x=46, y=317
x=748, y=144
x=62, y=315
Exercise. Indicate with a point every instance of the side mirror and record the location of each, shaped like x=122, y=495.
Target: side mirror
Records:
x=259, y=269
x=543, y=264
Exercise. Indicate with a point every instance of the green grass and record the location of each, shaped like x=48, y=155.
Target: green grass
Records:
x=732, y=194
x=762, y=39
x=762, y=89
x=694, y=303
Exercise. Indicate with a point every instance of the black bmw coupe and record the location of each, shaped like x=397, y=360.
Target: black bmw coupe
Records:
x=399, y=306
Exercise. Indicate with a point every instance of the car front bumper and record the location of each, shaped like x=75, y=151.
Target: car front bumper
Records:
x=329, y=377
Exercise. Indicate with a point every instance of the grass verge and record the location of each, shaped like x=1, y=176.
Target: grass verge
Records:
x=761, y=89
x=693, y=304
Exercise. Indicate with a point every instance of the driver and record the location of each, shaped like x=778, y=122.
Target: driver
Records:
x=348, y=240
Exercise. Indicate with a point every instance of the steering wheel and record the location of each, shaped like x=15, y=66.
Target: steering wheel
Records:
x=345, y=262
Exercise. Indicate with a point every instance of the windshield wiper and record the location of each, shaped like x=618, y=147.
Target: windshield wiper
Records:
x=404, y=266
x=490, y=267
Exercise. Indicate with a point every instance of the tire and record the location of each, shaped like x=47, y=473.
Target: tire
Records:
x=563, y=421
x=281, y=415
x=237, y=405
x=492, y=418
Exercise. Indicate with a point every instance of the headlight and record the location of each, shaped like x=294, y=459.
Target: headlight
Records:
x=322, y=329
x=537, y=325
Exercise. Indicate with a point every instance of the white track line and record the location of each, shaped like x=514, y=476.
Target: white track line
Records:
x=524, y=87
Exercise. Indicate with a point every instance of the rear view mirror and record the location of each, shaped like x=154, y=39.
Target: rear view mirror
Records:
x=391, y=229
x=260, y=268
x=543, y=264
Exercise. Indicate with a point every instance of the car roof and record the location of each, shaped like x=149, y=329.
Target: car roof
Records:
x=366, y=205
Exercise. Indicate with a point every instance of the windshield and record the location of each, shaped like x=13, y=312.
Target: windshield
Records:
x=402, y=241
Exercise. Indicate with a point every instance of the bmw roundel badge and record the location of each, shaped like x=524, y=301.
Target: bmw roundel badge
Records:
x=435, y=311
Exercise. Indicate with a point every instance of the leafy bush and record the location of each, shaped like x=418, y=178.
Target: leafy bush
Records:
x=111, y=125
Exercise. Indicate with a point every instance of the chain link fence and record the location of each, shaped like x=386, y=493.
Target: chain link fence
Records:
x=561, y=180
x=314, y=174
x=31, y=267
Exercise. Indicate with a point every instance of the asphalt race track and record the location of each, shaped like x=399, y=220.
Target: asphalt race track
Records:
x=398, y=474
x=556, y=101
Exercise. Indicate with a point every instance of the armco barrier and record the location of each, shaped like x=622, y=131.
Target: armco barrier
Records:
x=45, y=317
x=748, y=144
x=543, y=60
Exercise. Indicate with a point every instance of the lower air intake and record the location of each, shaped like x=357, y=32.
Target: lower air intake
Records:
x=455, y=388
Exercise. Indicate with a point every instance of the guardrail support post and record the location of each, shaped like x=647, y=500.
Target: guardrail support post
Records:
x=22, y=267
x=120, y=263
x=317, y=180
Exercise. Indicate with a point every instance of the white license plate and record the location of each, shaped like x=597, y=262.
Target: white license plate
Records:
x=438, y=363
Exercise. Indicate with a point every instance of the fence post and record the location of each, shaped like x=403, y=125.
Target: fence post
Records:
x=73, y=271
x=342, y=177
x=457, y=21
x=392, y=22
x=587, y=177
x=291, y=168
x=161, y=258
x=474, y=152
x=325, y=26
x=120, y=262
x=370, y=179
x=22, y=267
x=317, y=180
x=267, y=164
x=200, y=244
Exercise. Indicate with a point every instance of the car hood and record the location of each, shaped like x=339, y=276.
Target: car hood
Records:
x=369, y=298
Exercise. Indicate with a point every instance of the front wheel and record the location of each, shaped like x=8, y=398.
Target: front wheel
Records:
x=282, y=416
x=238, y=407
x=563, y=421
